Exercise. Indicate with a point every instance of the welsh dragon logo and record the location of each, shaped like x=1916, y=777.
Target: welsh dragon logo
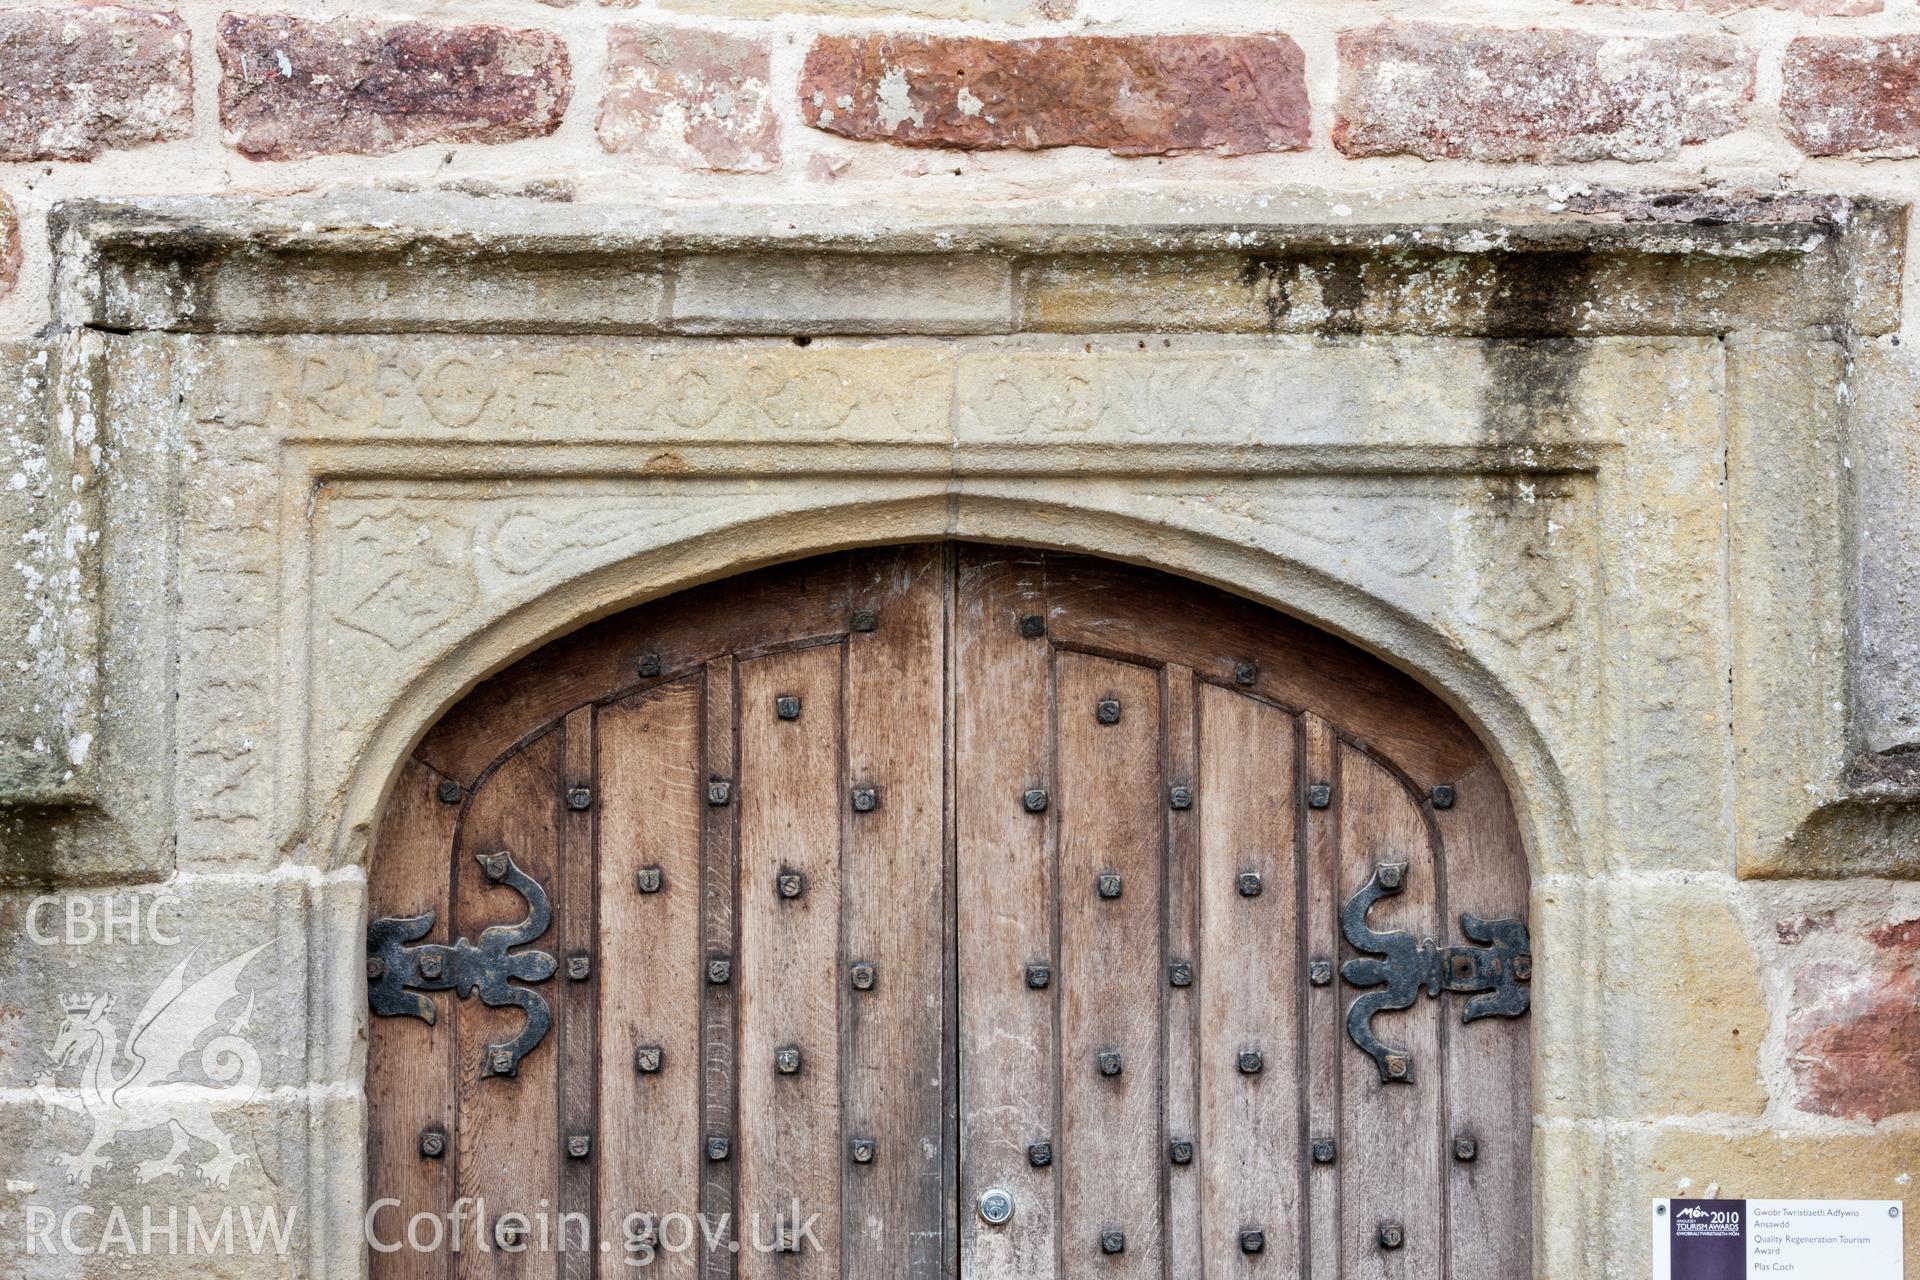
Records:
x=131, y=1087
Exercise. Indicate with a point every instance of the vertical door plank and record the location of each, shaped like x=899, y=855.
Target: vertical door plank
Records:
x=896, y=1067
x=1004, y=903
x=650, y=798
x=1390, y=1133
x=1005, y=914
x=573, y=1031
x=719, y=1020
x=1111, y=1142
x=411, y=1090
x=1250, y=1149
x=792, y=799
x=1183, y=1003
x=508, y=1150
x=1489, y=1063
x=1326, y=1037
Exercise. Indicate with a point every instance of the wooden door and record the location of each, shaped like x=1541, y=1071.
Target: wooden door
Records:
x=939, y=910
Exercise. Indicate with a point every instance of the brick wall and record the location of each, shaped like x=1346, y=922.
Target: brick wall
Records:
x=877, y=101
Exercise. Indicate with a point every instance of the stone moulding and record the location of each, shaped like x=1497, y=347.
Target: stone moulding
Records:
x=1280, y=264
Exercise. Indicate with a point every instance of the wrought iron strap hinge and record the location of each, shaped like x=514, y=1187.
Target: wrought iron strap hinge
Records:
x=1496, y=974
x=397, y=973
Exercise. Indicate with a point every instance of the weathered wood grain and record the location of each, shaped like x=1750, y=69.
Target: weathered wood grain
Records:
x=1184, y=1192
x=1112, y=1149
x=719, y=937
x=1005, y=904
x=575, y=1040
x=1489, y=1060
x=651, y=801
x=792, y=796
x=898, y=1049
x=411, y=1089
x=509, y=1140
x=769, y=608
x=1391, y=1132
x=1325, y=1041
x=1114, y=608
x=1250, y=1148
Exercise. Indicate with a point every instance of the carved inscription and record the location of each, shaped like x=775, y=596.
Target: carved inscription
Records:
x=1289, y=391
x=509, y=390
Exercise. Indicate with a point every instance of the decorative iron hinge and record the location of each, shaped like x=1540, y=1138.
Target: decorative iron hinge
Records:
x=466, y=969
x=1500, y=972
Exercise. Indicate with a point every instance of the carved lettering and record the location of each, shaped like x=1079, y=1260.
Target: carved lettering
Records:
x=522, y=389
x=455, y=391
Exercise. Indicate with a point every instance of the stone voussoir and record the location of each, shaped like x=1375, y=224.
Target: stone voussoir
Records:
x=1132, y=95
x=1844, y=94
x=292, y=88
x=1445, y=91
x=85, y=80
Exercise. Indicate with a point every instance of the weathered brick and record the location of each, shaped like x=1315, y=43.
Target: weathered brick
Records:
x=1853, y=1031
x=978, y=10
x=296, y=87
x=699, y=99
x=1160, y=95
x=1852, y=93
x=1810, y=8
x=1483, y=93
x=81, y=81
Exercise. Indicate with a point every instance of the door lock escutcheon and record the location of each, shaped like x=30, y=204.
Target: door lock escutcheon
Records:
x=996, y=1206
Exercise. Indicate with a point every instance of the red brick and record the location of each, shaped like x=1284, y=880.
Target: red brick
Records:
x=1158, y=95
x=1853, y=1040
x=699, y=99
x=1552, y=96
x=81, y=81
x=1852, y=93
x=296, y=87
x=1810, y=8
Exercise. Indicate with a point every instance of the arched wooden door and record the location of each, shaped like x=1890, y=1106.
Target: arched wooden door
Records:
x=950, y=909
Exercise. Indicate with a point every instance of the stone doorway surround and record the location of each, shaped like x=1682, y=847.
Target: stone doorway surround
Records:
x=316, y=467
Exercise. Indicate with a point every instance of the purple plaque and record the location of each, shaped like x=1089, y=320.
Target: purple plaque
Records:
x=1709, y=1240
